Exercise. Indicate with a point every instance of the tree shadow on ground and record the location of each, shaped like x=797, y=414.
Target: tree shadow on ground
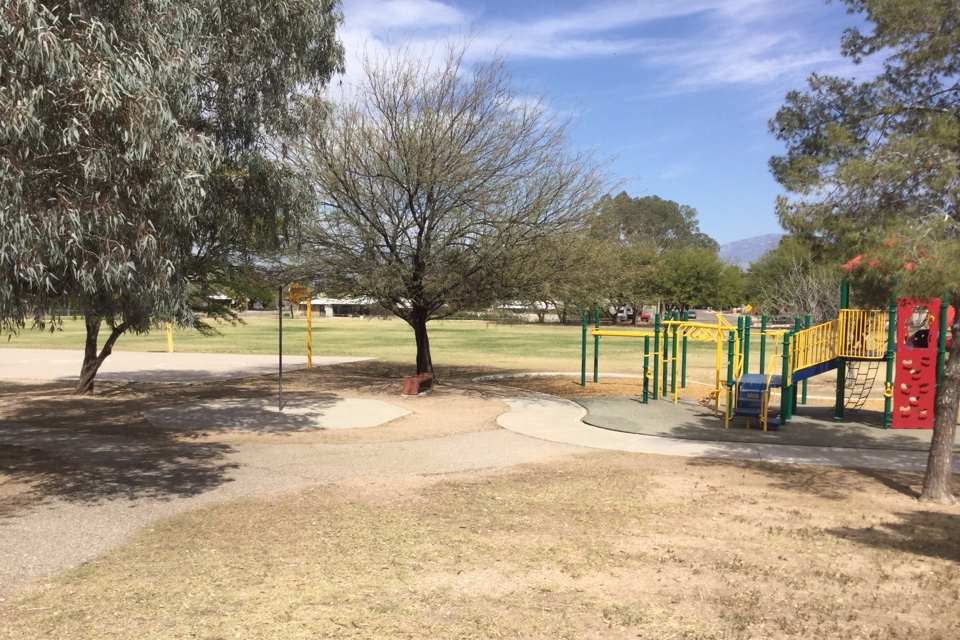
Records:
x=85, y=468
x=924, y=533
x=826, y=482
x=101, y=447
x=88, y=449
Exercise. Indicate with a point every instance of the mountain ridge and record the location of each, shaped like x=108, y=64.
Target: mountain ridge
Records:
x=744, y=252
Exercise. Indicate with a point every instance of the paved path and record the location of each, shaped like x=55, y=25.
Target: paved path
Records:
x=50, y=364
x=557, y=420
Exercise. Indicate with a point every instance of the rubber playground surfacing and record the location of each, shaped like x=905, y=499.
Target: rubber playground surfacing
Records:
x=811, y=425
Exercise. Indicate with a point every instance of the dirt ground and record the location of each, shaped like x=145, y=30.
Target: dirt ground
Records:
x=597, y=544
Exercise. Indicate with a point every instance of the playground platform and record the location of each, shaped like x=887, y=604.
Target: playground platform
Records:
x=811, y=426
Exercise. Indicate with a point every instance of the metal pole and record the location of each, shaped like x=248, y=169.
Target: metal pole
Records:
x=646, y=368
x=785, y=384
x=656, y=356
x=665, y=360
x=673, y=367
x=842, y=362
x=746, y=344
x=803, y=385
x=683, y=358
x=583, y=351
x=731, y=381
x=942, y=337
x=797, y=325
x=763, y=343
x=280, y=349
x=891, y=359
x=309, y=331
x=596, y=346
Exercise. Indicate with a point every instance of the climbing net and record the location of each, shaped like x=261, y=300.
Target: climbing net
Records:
x=861, y=375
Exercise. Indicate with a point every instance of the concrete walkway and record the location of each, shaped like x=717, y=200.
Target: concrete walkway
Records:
x=561, y=421
x=50, y=364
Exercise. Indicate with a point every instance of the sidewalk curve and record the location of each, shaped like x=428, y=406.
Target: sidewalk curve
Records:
x=558, y=420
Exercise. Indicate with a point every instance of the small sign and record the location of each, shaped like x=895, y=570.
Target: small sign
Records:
x=298, y=293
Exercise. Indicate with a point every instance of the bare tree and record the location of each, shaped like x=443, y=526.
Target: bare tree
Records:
x=800, y=289
x=438, y=184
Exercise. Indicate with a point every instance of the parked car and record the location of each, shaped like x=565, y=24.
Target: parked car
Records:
x=691, y=314
x=644, y=316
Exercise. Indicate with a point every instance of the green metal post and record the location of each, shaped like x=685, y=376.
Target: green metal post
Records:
x=891, y=358
x=740, y=336
x=731, y=382
x=763, y=344
x=842, y=362
x=746, y=344
x=942, y=338
x=596, y=346
x=683, y=356
x=646, y=367
x=797, y=326
x=280, y=349
x=785, y=394
x=583, y=351
x=656, y=356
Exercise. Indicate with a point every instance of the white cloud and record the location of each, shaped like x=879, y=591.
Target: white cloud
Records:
x=690, y=45
x=373, y=15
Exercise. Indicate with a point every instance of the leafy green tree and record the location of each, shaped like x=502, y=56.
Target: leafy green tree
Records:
x=649, y=221
x=572, y=272
x=637, y=234
x=439, y=185
x=695, y=277
x=874, y=168
x=730, y=288
x=134, y=164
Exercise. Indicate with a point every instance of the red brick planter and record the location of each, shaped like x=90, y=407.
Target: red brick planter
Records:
x=415, y=385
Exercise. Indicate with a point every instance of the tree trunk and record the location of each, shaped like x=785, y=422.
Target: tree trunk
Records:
x=418, y=320
x=936, y=482
x=91, y=360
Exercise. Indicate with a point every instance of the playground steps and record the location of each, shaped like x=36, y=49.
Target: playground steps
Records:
x=751, y=390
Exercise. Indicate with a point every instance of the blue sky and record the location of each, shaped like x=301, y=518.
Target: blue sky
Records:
x=678, y=92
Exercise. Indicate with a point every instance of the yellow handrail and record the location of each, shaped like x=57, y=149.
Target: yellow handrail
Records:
x=815, y=345
x=862, y=334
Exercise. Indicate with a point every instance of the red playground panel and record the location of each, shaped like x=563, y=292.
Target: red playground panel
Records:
x=916, y=363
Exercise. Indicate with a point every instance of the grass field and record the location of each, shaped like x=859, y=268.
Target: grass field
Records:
x=459, y=343
x=457, y=346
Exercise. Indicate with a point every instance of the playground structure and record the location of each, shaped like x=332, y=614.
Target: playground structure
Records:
x=910, y=338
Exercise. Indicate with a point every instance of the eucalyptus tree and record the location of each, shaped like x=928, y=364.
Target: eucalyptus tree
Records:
x=133, y=162
x=439, y=184
x=875, y=169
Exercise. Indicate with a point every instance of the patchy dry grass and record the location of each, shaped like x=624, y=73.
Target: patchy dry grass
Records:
x=604, y=545
x=601, y=545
